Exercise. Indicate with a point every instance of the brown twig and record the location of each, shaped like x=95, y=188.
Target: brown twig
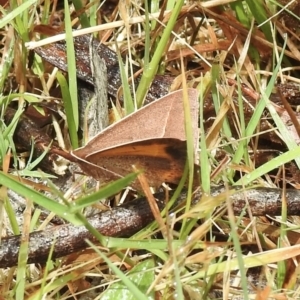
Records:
x=131, y=217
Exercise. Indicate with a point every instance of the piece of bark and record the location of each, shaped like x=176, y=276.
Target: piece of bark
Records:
x=56, y=55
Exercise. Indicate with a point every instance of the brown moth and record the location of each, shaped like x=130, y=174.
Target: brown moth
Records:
x=152, y=139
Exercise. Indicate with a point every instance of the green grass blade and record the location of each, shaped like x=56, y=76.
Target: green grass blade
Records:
x=21, y=270
x=69, y=109
x=150, y=72
x=71, y=67
x=131, y=286
x=239, y=254
x=147, y=33
x=16, y=12
x=40, y=199
x=269, y=166
x=256, y=117
x=105, y=192
x=11, y=216
x=84, y=20
x=140, y=275
x=258, y=11
x=127, y=98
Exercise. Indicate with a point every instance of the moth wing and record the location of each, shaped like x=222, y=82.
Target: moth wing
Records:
x=161, y=160
x=163, y=118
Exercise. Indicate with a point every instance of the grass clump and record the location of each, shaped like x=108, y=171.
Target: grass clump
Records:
x=235, y=55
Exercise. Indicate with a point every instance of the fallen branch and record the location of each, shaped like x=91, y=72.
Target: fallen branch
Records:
x=126, y=220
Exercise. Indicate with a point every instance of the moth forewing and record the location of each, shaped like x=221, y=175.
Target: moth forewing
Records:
x=163, y=118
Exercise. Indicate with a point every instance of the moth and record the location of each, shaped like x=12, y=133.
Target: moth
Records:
x=152, y=139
